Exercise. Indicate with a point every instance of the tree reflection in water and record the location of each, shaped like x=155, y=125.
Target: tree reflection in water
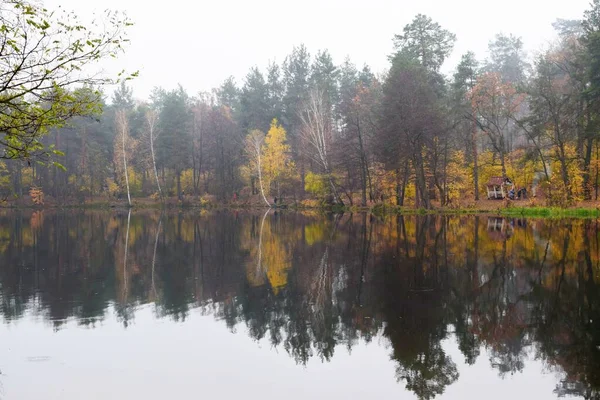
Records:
x=310, y=284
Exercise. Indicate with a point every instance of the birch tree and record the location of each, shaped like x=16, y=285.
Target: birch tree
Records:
x=317, y=135
x=254, y=143
x=151, y=121
x=122, y=135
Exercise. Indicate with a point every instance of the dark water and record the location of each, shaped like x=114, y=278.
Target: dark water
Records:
x=99, y=305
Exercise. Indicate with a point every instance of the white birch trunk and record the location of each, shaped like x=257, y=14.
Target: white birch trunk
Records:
x=122, y=124
x=255, y=140
x=151, y=120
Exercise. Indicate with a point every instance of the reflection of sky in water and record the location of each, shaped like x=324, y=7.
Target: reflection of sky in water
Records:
x=166, y=291
x=159, y=358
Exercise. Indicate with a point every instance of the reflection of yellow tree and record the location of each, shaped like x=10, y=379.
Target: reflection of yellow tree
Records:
x=314, y=233
x=273, y=253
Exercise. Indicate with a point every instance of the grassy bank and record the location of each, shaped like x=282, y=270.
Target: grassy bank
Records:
x=587, y=210
x=551, y=212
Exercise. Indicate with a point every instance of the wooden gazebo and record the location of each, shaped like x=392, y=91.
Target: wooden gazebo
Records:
x=496, y=187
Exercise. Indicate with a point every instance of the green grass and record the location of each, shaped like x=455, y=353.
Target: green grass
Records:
x=551, y=212
x=381, y=210
x=539, y=212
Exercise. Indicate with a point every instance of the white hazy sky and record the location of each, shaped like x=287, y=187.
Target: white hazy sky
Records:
x=200, y=43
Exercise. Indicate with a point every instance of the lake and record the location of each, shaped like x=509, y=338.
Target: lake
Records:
x=151, y=305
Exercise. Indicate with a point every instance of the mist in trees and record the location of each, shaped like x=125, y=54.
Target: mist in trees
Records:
x=327, y=133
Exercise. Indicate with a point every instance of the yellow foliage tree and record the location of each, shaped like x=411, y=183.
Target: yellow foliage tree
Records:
x=458, y=177
x=559, y=195
x=488, y=167
x=112, y=187
x=278, y=167
x=186, y=181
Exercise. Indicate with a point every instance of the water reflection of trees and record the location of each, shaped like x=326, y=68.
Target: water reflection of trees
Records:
x=313, y=284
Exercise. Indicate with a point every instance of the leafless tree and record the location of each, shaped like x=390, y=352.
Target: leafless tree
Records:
x=317, y=135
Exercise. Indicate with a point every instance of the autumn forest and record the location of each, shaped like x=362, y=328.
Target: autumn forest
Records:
x=310, y=132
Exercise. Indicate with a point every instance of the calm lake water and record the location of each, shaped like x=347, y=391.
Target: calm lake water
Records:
x=99, y=305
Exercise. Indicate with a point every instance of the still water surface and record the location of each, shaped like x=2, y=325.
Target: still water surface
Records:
x=227, y=305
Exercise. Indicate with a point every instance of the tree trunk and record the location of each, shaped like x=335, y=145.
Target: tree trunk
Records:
x=475, y=163
x=401, y=185
x=421, y=181
x=363, y=164
x=154, y=163
x=123, y=128
x=334, y=190
x=503, y=164
x=363, y=181
x=262, y=192
x=587, y=160
x=597, y=173
x=179, y=194
x=565, y=172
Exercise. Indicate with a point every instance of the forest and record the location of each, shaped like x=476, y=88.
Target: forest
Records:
x=309, y=132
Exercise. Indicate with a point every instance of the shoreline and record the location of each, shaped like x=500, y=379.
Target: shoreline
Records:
x=587, y=211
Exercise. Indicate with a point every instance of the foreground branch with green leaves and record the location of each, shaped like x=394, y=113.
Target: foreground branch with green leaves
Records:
x=48, y=62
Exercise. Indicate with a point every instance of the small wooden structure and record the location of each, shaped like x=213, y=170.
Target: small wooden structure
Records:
x=496, y=187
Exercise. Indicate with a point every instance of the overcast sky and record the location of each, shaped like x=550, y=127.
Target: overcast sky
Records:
x=200, y=43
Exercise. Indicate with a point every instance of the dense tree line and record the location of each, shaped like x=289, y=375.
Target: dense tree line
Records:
x=312, y=131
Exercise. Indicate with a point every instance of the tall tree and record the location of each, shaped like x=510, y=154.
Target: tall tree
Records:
x=324, y=76
x=174, y=123
x=275, y=91
x=591, y=90
x=410, y=120
x=254, y=99
x=495, y=104
x=201, y=110
x=359, y=100
x=426, y=41
x=465, y=79
x=554, y=101
x=296, y=74
x=228, y=95
x=318, y=137
x=508, y=58
x=122, y=98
